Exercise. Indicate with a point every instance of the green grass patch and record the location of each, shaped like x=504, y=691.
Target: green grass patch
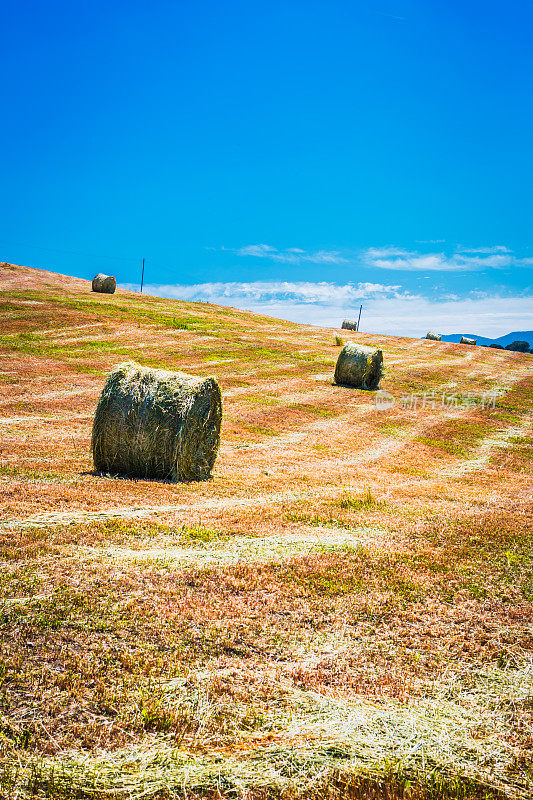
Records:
x=457, y=437
x=366, y=502
x=198, y=533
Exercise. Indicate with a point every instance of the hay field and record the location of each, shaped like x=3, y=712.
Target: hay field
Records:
x=345, y=610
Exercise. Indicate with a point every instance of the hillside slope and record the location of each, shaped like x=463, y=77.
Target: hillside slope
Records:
x=508, y=338
x=346, y=607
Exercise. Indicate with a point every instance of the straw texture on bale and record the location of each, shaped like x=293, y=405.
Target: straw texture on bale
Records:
x=466, y=340
x=349, y=325
x=359, y=366
x=152, y=423
x=435, y=337
x=104, y=283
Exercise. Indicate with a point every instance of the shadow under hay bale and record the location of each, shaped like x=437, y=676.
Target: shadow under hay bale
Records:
x=152, y=423
x=359, y=366
x=106, y=284
x=466, y=340
x=435, y=337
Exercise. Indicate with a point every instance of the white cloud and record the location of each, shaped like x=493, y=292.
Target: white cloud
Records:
x=498, y=248
x=481, y=262
x=387, y=309
x=292, y=255
x=394, y=258
x=490, y=316
x=272, y=292
x=461, y=261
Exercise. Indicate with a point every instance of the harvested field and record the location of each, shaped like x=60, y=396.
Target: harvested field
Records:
x=344, y=610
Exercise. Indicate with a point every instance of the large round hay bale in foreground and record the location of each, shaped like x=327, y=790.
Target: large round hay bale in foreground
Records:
x=106, y=284
x=359, y=366
x=466, y=340
x=152, y=423
x=435, y=337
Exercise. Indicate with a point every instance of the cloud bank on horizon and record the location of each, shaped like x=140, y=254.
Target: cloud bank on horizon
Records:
x=468, y=296
x=387, y=308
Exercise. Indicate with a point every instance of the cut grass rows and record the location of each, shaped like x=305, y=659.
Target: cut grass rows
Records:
x=269, y=633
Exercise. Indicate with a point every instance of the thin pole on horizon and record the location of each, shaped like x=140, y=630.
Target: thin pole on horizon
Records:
x=359, y=320
x=142, y=278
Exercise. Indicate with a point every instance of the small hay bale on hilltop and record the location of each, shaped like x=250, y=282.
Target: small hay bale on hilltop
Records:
x=435, y=337
x=466, y=340
x=349, y=325
x=359, y=366
x=106, y=284
x=152, y=423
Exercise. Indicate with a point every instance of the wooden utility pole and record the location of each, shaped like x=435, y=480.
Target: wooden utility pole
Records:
x=359, y=320
x=142, y=277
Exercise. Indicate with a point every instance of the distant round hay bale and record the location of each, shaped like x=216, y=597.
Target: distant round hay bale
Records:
x=466, y=340
x=106, y=284
x=359, y=366
x=349, y=325
x=152, y=423
x=435, y=337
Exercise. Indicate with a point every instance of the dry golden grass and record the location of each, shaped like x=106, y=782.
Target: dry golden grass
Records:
x=345, y=610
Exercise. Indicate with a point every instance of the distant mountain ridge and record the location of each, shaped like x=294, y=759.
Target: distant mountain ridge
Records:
x=522, y=336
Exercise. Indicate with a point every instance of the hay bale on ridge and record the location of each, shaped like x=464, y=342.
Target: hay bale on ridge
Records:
x=349, y=325
x=359, y=366
x=466, y=340
x=435, y=337
x=153, y=423
x=106, y=284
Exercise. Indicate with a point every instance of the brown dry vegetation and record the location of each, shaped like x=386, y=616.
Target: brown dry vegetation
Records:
x=345, y=609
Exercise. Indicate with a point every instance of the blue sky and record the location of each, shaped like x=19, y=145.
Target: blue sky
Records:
x=295, y=157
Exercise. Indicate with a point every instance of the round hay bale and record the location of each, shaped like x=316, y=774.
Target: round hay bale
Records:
x=152, y=423
x=466, y=340
x=106, y=284
x=349, y=325
x=435, y=337
x=359, y=366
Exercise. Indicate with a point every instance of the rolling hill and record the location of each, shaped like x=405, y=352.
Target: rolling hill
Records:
x=344, y=610
x=508, y=338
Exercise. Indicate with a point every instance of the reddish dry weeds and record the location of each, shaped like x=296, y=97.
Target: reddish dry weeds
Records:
x=442, y=581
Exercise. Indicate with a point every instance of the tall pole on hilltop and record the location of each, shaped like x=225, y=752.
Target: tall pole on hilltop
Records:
x=359, y=320
x=142, y=277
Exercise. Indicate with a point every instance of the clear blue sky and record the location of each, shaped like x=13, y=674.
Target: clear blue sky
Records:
x=338, y=141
